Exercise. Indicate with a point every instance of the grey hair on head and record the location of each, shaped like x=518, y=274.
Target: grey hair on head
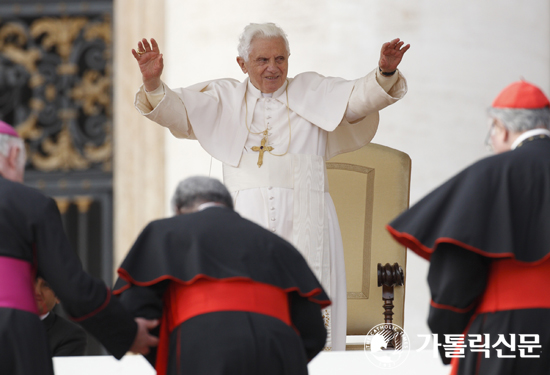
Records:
x=521, y=120
x=259, y=30
x=199, y=189
x=7, y=142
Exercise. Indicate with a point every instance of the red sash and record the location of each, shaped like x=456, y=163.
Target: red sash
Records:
x=17, y=285
x=183, y=302
x=512, y=285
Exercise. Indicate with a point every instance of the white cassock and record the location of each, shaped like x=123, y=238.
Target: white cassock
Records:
x=289, y=193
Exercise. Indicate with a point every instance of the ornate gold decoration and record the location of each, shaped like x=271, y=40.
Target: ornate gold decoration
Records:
x=61, y=155
x=102, y=153
x=67, y=69
x=59, y=33
x=12, y=40
x=50, y=92
x=92, y=90
x=65, y=144
x=15, y=31
x=28, y=128
x=261, y=149
x=100, y=31
x=27, y=58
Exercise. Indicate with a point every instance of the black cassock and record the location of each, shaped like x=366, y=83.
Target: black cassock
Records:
x=486, y=233
x=216, y=247
x=64, y=337
x=33, y=243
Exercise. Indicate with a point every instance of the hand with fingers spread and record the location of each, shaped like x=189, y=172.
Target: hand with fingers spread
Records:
x=150, y=63
x=391, y=55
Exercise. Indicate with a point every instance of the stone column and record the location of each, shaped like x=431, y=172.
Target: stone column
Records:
x=139, y=144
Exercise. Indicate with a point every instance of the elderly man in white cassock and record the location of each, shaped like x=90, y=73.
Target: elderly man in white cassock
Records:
x=273, y=134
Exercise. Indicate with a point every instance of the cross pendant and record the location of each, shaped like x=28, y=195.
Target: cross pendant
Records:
x=262, y=148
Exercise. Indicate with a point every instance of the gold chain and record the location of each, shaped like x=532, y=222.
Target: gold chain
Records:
x=265, y=132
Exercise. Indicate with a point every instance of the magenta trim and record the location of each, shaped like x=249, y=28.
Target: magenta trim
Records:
x=17, y=285
x=7, y=129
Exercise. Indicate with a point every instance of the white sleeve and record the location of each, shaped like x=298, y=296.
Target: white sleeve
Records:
x=165, y=108
x=155, y=96
x=355, y=111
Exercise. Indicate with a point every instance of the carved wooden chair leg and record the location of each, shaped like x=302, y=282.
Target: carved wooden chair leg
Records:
x=388, y=277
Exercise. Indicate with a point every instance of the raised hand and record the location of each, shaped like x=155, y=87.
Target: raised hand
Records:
x=391, y=55
x=150, y=63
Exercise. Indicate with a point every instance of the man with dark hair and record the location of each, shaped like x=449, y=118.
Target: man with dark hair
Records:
x=33, y=243
x=486, y=233
x=65, y=338
x=234, y=298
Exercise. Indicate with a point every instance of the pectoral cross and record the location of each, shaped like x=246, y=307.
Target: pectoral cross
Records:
x=262, y=148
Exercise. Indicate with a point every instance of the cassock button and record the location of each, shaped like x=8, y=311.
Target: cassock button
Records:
x=273, y=230
x=270, y=198
x=272, y=219
x=272, y=208
x=271, y=187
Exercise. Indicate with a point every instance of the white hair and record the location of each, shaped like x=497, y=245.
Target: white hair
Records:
x=7, y=142
x=521, y=120
x=259, y=30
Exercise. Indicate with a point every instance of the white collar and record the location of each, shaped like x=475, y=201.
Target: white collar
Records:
x=527, y=134
x=258, y=94
x=209, y=204
x=42, y=317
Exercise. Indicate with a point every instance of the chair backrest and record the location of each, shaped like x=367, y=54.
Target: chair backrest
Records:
x=369, y=188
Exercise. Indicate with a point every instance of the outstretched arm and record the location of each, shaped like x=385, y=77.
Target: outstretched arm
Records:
x=391, y=55
x=150, y=63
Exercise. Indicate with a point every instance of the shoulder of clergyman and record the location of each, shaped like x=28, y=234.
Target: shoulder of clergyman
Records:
x=306, y=78
x=313, y=81
x=216, y=85
x=221, y=89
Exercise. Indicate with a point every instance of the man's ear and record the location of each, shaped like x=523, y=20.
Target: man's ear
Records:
x=505, y=135
x=13, y=157
x=240, y=61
